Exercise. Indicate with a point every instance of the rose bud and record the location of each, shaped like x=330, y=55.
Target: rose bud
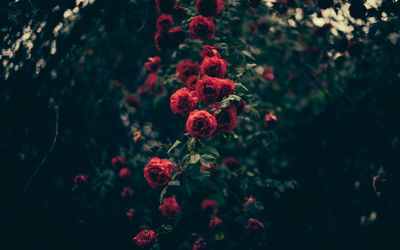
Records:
x=226, y=119
x=153, y=64
x=215, y=222
x=249, y=201
x=158, y=172
x=145, y=237
x=183, y=101
x=164, y=22
x=209, y=51
x=386, y=184
x=191, y=82
x=202, y=28
x=231, y=163
x=124, y=173
x=213, y=66
x=119, y=161
x=127, y=192
x=208, y=89
x=324, y=4
x=80, y=180
x=199, y=244
x=166, y=6
x=187, y=68
x=131, y=213
x=357, y=10
x=201, y=124
x=132, y=101
x=355, y=48
x=270, y=120
x=176, y=36
x=268, y=74
x=254, y=225
x=209, y=206
x=170, y=208
x=209, y=8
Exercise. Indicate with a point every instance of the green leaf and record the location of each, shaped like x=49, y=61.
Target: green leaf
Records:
x=194, y=158
x=173, y=146
x=240, y=88
x=175, y=183
x=163, y=193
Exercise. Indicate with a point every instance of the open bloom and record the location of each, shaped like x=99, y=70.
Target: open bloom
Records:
x=158, y=172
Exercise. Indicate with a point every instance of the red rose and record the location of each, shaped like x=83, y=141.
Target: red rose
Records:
x=270, y=120
x=124, y=173
x=118, y=161
x=202, y=28
x=199, y=244
x=187, y=68
x=209, y=51
x=268, y=74
x=131, y=213
x=176, y=36
x=80, y=180
x=166, y=6
x=153, y=64
x=201, y=124
x=170, y=208
x=151, y=81
x=209, y=206
x=208, y=89
x=164, y=22
x=249, y=201
x=158, y=172
x=183, y=101
x=209, y=7
x=162, y=40
x=191, y=82
x=226, y=119
x=213, y=66
x=231, y=163
x=227, y=87
x=145, y=237
x=215, y=222
x=254, y=225
x=132, y=101
x=127, y=192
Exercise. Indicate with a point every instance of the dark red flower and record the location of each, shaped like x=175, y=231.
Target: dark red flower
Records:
x=127, y=192
x=158, y=172
x=209, y=206
x=254, y=225
x=131, y=213
x=191, y=82
x=150, y=84
x=270, y=120
x=213, y=66
x=268, y=74
x=215, y=222
x=231, y=163
x=124, y=173
x=226, y=119
x=132, y=101
x=209, y=7
x=227, y=87
x=80, y=180
x=183, y=101
x=166, y=6
x=170, y=208
x=199, y=244
x=164, y=22
x=145, y=237
x=187, y=68
x=202, y=28
x=209, y=51
x=118, y=161
x=201, y=124
x=208, y=89
x=162, y=40
x=176, y=36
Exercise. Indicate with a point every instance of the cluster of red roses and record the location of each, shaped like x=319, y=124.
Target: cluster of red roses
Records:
x=210, y=89
x=201, y=27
